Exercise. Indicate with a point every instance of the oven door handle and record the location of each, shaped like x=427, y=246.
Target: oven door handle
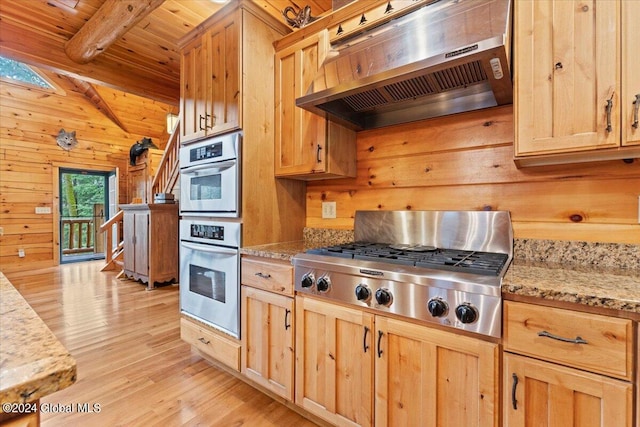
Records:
x=218, y=166
x=208, y=248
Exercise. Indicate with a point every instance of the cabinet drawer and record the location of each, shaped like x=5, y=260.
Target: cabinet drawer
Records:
x=270, y=275
x=606, y=342
x=224, y=350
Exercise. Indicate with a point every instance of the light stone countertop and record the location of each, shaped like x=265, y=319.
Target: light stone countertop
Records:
x=599, y=286
x=33, y=363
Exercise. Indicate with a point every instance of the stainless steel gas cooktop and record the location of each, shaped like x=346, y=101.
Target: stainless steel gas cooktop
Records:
x=444, y=267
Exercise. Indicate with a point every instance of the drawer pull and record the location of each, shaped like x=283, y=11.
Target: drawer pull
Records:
x=576, y=340
x=264, y=276
x=514, y=402
x=203, y=341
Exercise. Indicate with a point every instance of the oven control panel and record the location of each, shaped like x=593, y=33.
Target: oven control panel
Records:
x=204, y=231
x=209, y=151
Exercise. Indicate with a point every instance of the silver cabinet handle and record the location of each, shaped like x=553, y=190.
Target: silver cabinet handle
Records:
x=636, y=104
x=576, y=340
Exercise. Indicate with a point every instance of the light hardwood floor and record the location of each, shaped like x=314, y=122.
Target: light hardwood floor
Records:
x=131, y=361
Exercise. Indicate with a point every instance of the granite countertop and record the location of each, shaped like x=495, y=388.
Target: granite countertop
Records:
x=593, y=286
x=33, y=363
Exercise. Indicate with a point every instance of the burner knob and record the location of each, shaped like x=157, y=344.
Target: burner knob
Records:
x=363, y=293
x=466, y=313
x=384, y=297
x=323, y=284
x=307, y=280
x=437, y=307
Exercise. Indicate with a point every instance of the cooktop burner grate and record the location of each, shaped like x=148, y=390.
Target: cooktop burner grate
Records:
x=474, y=262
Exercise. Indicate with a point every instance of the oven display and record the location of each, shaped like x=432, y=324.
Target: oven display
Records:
x=209, y=151
x=212, y=232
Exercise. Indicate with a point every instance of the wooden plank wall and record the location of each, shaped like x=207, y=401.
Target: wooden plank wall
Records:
x=465, y=162
x=30, y=157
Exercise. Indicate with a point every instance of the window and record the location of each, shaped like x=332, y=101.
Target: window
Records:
x=18, y=71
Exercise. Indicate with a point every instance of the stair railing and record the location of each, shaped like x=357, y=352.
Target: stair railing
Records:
x=114, y=242
x=168, y=172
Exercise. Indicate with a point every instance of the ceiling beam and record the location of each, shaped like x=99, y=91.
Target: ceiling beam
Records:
x=110, y=22
x=25, y=44
x=90, y=92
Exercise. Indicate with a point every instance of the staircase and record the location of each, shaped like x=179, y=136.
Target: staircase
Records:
x=164, y=181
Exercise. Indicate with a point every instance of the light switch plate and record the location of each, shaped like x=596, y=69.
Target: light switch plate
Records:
x=43, y=210
x=21, y=253
x=328, y=210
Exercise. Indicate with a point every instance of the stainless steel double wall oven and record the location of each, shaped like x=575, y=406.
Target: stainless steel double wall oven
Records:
x=210, y=231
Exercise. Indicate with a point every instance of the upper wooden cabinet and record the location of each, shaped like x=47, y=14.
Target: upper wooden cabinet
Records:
x=210, y=83
x=576, y=80
x=307, y=146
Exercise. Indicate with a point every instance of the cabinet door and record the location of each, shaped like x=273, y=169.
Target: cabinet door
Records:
x=566, y=72
x=267, y=340
x=223, y=77
x=141, y=230
x=630, y=73
x=128, y=241
x=538, y=393
x=334, y=362
x=300, y=135
x=426, y=377
x=193, y=83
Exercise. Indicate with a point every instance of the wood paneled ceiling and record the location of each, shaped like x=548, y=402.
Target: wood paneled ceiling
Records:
x=144, y=61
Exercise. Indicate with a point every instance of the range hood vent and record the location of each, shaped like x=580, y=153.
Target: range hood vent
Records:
x=448, y=57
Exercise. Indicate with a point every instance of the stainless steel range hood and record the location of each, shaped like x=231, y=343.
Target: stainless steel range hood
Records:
x=447, y=57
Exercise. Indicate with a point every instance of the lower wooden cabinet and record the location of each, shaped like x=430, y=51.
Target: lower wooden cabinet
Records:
x=267, y=340
x=334, y=362
x=539, y=393
x=428, y=377
x=566, y=368
x=419, y=376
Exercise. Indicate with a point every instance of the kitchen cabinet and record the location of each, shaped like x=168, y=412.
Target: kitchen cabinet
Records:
x=307, y=146
x=419, y=375
x=268, y=324
x=576, y=81
x=334, y=362
x=211, y=344
x=237, y=43
x=150, y=238
x=209, y=83
x=566, y=368
x=549, y=394
x=429, y=377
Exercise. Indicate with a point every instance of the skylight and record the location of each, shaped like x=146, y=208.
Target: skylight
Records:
x=18, y=71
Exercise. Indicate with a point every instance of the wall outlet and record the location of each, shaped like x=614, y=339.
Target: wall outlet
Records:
x=328, y=209
x=43, y=210
x=21, y=253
